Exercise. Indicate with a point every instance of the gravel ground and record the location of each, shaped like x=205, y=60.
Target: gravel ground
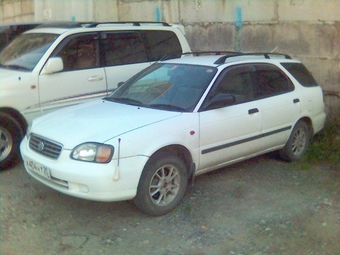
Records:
x=258, y=207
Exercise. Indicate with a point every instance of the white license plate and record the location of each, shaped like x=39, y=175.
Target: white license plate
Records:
x=37, y=168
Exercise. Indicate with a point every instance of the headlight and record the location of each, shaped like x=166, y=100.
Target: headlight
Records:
x=93, y=152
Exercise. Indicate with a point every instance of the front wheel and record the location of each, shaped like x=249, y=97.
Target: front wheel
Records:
x=297, y=143
x=10, y=136
x=162, y=185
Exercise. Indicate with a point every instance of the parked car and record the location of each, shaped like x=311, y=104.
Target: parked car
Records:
x=9, y=31
x=58, y=65
x=174, y=120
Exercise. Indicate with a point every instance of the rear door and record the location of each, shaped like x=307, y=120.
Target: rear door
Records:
x=125, y=53
x=279, y=102
x=82, y=77
x=123, y=56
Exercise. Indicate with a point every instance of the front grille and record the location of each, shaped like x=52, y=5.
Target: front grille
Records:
x=44, y=146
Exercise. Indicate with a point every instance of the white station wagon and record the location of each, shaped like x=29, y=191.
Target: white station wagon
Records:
x=174, y=120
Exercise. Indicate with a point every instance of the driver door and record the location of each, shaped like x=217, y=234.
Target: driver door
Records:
x=81, y=79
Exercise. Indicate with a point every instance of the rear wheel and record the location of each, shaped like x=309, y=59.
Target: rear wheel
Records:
x=297, y=143
x=162, y=185
x=10, y=137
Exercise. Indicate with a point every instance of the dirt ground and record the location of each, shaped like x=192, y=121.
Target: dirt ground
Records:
x=258, y=207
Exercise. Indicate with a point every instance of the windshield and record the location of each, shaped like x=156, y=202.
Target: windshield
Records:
x=174, y=87
x=26, y=50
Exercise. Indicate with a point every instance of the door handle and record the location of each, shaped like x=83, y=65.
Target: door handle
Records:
x=296, y=100
x=251, y=111
x=95, y=78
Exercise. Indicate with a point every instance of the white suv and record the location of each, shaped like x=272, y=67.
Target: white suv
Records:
x=59, y=65
x=176, y=119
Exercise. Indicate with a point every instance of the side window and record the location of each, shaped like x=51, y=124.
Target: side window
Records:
x=269, y=80
x=161, y=44
x=79, y=52
x=301, y=74
x=234, y=81
x=122, y=48
x=238, y=84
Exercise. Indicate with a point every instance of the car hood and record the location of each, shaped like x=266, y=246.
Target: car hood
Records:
x=97, y=121
x=6, y=73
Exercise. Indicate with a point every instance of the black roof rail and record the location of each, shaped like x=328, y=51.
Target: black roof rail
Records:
x=70, y=24
x=200, y=53
x=62, y=24
x=134, y=23
x=267, y=55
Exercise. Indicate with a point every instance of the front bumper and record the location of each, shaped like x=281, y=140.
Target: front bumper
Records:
x=91, y=181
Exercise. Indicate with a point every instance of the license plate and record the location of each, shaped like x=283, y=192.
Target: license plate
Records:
x=37, y=168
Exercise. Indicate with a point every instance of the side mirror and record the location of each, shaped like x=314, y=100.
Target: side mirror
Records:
x=53, y=65
x=220, y=100
x=120, y=84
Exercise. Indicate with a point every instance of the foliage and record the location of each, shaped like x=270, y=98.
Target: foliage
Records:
x=325, y=146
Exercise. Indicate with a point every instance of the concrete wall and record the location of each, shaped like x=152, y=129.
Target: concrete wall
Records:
x=16, y=11
x=305, y=29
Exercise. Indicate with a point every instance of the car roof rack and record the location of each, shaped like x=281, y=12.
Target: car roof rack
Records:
x=200, y=53
x=230, y=54
x=134, y=23
x=62, y=24
x=266, y=55
x=70, y=24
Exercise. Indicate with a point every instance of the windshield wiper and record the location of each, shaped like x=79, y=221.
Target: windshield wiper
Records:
x=124, y=100
x=167, y=107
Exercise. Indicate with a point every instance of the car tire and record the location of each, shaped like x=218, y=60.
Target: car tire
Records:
x=297, y=143
x=10, y=137
x=162, y=184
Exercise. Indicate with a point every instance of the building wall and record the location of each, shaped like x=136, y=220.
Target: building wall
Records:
x=306, y=29
x=16, y=11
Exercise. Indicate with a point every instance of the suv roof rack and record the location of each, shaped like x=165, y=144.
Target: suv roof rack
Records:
x=134, y=23
x=230, y=54
x=199, y=53
x=66, y=24
x=62, y=24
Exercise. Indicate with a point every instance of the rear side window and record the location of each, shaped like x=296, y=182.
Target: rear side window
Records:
x=123, y=48
x=161, y=44
x=301, y=74
x=269, y=80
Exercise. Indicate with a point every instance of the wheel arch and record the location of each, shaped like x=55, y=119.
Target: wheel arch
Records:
x=19, y=119
x=309, y=122
x=181, y=152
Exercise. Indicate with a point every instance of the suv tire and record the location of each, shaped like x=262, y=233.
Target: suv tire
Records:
x=10, y=137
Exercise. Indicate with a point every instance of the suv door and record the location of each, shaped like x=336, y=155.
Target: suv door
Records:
x=82, y=77
x=230, y=132
x=123, y=56
x=279, y=103
x=125, y=53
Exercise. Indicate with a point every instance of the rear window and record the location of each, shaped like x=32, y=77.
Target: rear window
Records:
x=301, y=74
